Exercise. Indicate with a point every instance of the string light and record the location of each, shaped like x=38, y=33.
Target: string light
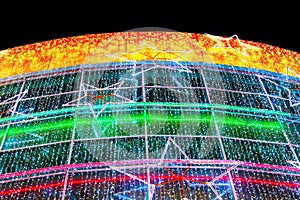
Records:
x=126, y=116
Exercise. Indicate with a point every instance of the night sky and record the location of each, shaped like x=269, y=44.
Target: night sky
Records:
x=277, y=27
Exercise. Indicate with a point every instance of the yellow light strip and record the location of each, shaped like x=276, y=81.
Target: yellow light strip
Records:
x=131, y=46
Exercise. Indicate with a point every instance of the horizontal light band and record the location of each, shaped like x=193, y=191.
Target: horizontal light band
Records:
x=135, y=46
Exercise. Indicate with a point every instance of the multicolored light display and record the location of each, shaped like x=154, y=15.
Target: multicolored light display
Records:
x=149, y=115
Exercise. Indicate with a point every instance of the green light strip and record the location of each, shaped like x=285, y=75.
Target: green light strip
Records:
x=153, y=118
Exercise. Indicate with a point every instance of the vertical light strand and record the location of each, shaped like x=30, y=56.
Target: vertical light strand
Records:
x=282, y=128
x=146, y=132
x=12, y=114
x=72, y=137
x=218, y=132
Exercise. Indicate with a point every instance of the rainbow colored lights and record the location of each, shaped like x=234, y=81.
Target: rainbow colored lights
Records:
x=72, y=51
x=149, y=115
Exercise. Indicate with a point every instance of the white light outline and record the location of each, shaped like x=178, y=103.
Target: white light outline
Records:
x=286, y=88
x=211, y=184
x=219, y=43
x=18, y=97
x=142, y=44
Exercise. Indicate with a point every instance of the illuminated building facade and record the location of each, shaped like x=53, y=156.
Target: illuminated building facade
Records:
x=149, y=115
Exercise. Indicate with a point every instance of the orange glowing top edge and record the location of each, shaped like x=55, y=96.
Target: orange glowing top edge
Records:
x=155, y=45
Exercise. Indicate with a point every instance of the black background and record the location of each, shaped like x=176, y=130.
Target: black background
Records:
x=276, y=25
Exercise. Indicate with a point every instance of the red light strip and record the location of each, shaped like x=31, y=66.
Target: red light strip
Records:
x=200, y=179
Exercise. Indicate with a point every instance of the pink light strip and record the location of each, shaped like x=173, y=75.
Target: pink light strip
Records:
x=200, y=179
x=143, y=161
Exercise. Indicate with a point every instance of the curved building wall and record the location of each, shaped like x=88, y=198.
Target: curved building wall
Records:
x=149, y=115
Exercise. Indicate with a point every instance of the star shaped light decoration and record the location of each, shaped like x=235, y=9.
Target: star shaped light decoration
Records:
x=147, y=52
x=88, y=98
x=181, y=178
x=232, y=43
x=13, y=110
